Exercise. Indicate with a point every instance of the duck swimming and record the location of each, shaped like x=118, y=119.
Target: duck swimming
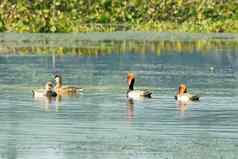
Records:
x=47, y=92
x=184, y=97
x=65, y=90
x=131, y=93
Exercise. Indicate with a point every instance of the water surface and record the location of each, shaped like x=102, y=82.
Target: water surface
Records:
x=101, y=123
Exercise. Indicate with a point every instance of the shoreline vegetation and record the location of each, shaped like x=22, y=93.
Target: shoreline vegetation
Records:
x=108, y=16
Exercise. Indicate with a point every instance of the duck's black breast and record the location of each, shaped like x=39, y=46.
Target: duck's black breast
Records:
x=51, y=94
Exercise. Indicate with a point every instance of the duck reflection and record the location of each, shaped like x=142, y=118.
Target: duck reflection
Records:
x=130, y=109
x=182, y=106
x=50, y=103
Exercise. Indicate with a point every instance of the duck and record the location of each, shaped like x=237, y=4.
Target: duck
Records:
x=184, y=97
x=46, y=92
x=65, y=90
x=131, y=93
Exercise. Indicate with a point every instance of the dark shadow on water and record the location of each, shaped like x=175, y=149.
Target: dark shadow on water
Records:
x=130, y=109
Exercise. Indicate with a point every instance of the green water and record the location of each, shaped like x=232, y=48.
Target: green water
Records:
x=100, y=122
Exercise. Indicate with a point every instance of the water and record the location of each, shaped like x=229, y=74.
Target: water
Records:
x=101, y=123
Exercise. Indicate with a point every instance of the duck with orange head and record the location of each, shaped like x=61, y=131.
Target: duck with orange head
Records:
x=184, y=97
x=131, y=93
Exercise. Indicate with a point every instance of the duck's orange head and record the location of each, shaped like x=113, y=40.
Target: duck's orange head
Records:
x=130, y=77
x=182, y=89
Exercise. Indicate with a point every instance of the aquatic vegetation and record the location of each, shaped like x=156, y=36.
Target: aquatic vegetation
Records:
x=109, y=15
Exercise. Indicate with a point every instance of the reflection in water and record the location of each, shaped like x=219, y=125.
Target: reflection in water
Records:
x=53, y=64
x=50, y=103
x=75, y=45
x=130, y=109
x=182, y=106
